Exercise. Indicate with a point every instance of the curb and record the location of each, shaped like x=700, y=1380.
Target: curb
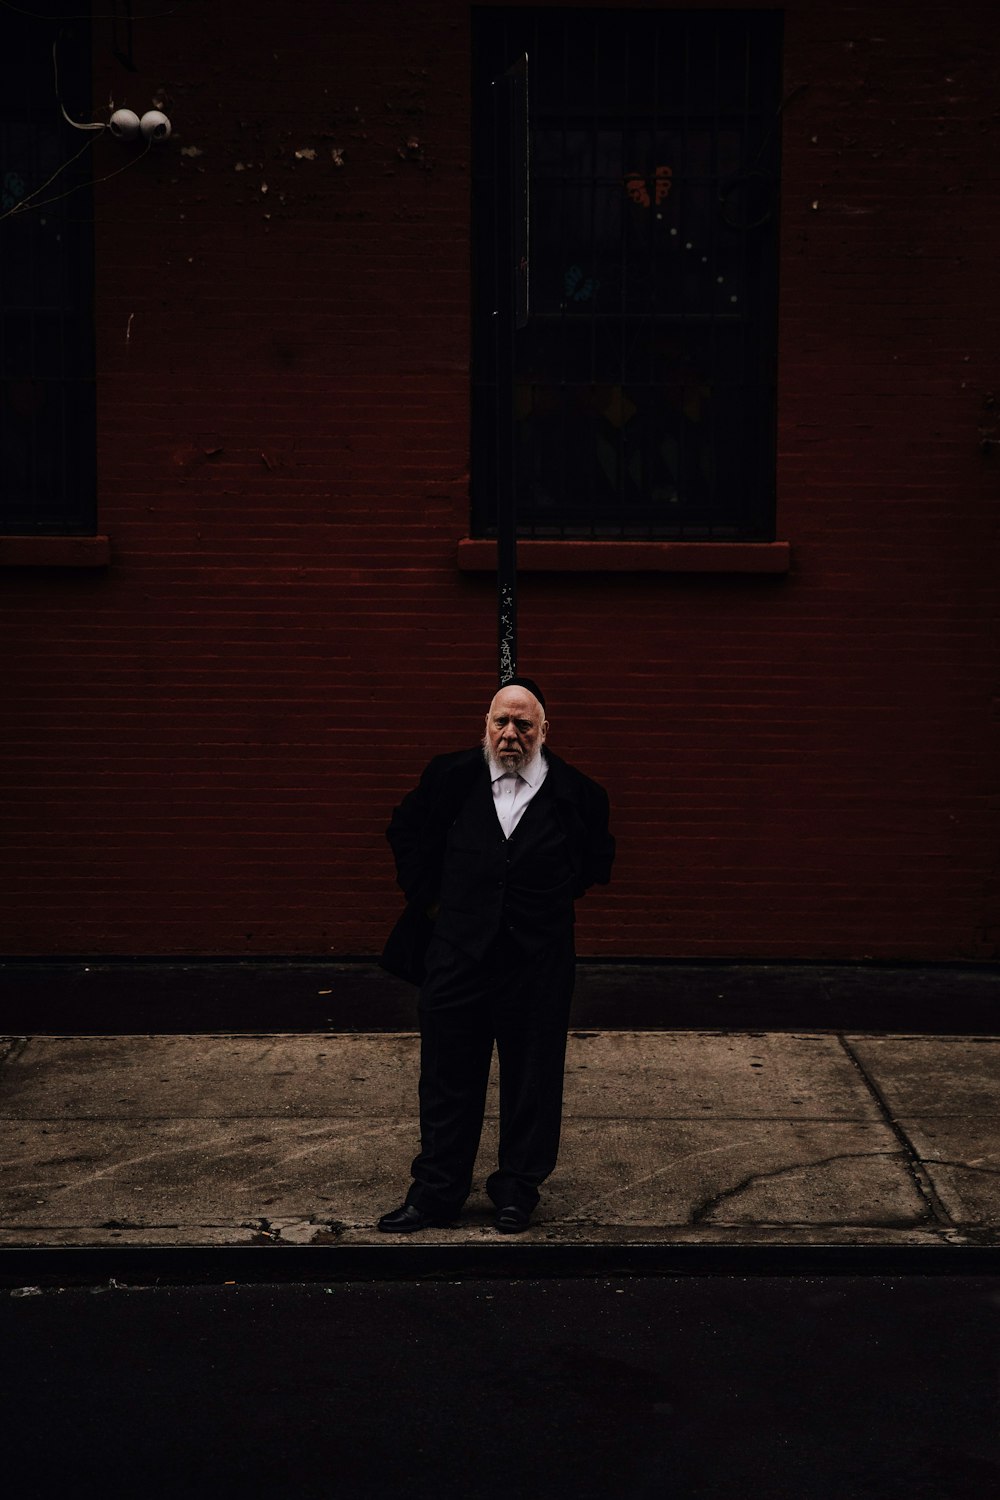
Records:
x=51, y=1267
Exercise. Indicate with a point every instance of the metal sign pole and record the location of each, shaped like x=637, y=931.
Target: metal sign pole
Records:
x=510, y=314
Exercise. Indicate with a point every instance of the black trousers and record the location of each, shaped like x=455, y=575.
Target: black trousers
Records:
x=521, y=1002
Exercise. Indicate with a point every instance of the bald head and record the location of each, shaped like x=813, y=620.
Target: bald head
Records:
x=516, y=727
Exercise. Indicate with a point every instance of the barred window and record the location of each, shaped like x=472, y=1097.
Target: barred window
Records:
x=637, y=396
x=47, y=424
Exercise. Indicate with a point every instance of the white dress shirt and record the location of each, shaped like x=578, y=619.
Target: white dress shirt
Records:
x=513, y=790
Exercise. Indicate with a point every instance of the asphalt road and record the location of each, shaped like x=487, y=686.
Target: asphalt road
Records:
x=722, y=1387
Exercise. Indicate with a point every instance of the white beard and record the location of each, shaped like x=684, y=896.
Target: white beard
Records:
x=509, y=764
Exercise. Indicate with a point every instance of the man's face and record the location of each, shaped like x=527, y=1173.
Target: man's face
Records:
x=515, y=727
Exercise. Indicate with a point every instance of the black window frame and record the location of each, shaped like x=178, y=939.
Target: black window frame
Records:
x=48, y=441
x=739, y=202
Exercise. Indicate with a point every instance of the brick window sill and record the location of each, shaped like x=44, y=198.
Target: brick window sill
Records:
x=479, y=555
x=55, y=551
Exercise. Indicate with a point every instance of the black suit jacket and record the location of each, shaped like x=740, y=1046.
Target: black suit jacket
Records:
x=418, y=834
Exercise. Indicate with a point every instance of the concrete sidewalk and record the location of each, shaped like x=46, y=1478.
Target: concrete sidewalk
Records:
x=691, y=1138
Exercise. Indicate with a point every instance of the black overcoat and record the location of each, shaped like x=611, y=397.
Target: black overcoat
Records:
x=418, y=834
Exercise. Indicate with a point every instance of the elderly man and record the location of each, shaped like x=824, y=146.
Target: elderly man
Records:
x=491, y=849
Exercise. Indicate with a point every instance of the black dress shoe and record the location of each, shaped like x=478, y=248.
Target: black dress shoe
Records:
x=511, y=1219
x=407, y=1219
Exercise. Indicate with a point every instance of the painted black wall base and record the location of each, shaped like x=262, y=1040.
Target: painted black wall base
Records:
x=129, y=995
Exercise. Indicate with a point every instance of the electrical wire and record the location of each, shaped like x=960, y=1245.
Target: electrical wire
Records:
x=22, y=205
x=97, y=125
x=25, y=204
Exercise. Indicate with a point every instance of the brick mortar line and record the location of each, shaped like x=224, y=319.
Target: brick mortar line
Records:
x=914, y=1163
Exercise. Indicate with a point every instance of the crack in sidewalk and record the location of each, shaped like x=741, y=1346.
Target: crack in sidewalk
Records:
x=700, y=1214
x=914, y=1163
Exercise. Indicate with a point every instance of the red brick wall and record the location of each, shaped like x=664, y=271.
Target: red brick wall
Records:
x=205, y=741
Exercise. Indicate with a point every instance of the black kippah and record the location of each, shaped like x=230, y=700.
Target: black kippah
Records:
x=524, y=682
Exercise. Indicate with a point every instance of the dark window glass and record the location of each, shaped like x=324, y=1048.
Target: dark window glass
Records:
x=46, y=275
x=642, y=397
